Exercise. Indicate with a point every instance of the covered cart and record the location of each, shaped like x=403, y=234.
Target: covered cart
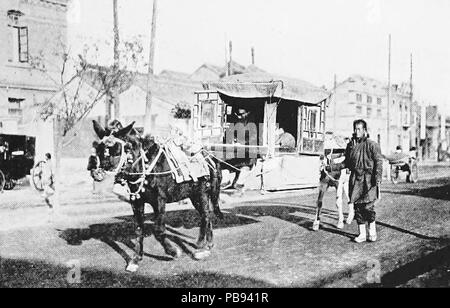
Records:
x=269, y=103
x=403, y=162
x=16, y=159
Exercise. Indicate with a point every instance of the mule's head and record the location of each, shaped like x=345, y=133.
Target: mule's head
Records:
x=113, y=144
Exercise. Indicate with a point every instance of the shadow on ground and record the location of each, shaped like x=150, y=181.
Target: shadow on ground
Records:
x=437, y=189
x=125, y=231
x=36, y=274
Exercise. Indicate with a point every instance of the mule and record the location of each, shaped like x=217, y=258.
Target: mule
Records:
x=144, y=169
x=339, y=180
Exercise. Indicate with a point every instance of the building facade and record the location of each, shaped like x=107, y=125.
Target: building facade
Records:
x=360, y=97
x=31, y=29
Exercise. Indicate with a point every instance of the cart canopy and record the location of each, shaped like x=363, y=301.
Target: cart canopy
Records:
x=262, y=85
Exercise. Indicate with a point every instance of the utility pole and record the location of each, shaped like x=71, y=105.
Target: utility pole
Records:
x=413, y=109
x=334, y=103
x=231, y=58
x=226, y=57
x=115, y=91
x=149, y=100
x=389, y=98
x=253, y=55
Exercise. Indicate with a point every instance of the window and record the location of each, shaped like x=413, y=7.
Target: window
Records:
x=369, y=99
x=208, y=114
x=358, y=109
x=15, y=106
x=379, y=100
x=18, y=37
x=369, y=112
x=358, y=97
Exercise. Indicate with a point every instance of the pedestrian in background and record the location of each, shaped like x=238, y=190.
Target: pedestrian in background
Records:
x=48, y=181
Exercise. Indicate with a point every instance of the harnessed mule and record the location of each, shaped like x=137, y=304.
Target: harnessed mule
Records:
x=339, y=180
x=144, y=169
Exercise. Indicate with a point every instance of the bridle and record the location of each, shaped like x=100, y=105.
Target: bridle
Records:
x=326, y=172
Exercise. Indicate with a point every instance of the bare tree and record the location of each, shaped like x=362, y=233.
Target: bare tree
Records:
x=82, y=83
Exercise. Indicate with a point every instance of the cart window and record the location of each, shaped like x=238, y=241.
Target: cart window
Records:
x=208, y=114
x=312, y=129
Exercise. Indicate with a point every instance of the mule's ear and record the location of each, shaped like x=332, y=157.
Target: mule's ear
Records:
x=124, y=131
x=99, y=130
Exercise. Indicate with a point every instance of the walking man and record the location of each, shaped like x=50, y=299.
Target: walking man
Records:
x=363, y=159
x=48, y=180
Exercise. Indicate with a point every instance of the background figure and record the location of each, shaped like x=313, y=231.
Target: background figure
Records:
x=48, y=181
x=284, y=139
x=93, y=167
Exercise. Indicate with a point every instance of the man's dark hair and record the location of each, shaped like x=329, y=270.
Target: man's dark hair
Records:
x=360, y=121
x=48, y=156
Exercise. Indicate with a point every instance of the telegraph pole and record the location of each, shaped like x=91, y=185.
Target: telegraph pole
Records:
x=115, y=91
x=334, y=103
x=389, y=98
x=149, y=100
x=231, y=59
x=253, y=55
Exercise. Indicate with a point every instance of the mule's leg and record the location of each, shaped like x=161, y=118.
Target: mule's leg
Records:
x=339, y=193
x=138, y=210
x=351, y=208
x=205, y=238
x=322, y=189
x=215, y=196
x=201, y=241
x=160, y=229
x=139, y=216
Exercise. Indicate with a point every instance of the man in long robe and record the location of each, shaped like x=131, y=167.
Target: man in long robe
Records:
x=364, y=160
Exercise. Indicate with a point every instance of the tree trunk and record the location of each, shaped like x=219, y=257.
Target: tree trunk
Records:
x=57, y=154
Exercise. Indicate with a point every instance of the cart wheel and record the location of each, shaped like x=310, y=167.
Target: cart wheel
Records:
x=2, y=181
x=414, y=176
x=36, y=176
x=394, y=174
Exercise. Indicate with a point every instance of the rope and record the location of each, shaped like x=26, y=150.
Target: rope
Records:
x=222, y=161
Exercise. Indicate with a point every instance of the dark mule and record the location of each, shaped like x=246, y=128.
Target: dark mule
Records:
x=157, y=187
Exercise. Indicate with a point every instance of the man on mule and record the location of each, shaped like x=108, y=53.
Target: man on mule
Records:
x=363, y=158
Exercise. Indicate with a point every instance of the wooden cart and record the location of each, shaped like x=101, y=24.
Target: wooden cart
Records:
x=271, y=102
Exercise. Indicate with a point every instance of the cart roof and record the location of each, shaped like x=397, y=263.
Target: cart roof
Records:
x=261, y=85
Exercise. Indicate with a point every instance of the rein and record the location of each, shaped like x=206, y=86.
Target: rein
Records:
x=147, y=169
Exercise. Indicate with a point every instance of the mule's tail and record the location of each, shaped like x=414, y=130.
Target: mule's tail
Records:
x=216, y=181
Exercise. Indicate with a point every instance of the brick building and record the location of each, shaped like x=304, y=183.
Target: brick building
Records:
x=361, y=97
x=30, y=29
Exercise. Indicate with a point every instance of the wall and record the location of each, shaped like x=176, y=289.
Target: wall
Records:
x=47, y=28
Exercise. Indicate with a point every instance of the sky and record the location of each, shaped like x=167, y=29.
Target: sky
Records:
x=309, y=40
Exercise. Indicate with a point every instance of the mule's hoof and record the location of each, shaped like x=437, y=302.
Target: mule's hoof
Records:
x=340, y=225
x=200, y=255
x=132, y=267
x=350, y=217
x=201, y=245
x=175, y=252
x=316, y=225
x=219, y=214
